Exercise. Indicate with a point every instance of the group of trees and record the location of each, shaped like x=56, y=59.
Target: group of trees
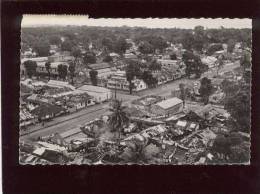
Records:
x=40, y=38
x=134, y=70
x=149, y=44
x=193, y=64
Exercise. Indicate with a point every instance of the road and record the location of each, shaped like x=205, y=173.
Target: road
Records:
x=68, y=122
x=72, y=121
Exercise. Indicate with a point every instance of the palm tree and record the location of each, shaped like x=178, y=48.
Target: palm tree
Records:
x=119, y=117
x=48, y=67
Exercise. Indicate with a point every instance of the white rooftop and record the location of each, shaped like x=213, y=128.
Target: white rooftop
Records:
x=91, y=88
x=165, y=104
x=56, y=83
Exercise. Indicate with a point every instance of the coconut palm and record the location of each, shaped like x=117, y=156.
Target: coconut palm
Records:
x=48, y=68
x=119, y=117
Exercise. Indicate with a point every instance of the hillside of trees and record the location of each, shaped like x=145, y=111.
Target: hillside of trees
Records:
x=112, y=38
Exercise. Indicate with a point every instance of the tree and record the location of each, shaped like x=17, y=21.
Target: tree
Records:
x=76, y=52
x=120, y=45
x=67, y=45
x=199, y=38
x=62, y=71
x=220, y=63
x=42, y=48
x=54, y=39
x=89, y=58
x=183, y=92
x=154, y=66
x=30, y=67
x=206, y=89
x=238, y=103
x=108, y=43
x=132, y=71
x=187, y=40
x=48, y=68
x=193, y=64
x=118, y=118
x=231, y=45
x=145, y=47
x=108, y=59
x=93, y=77
x=173, y=56
x=149, y=79
x=72, y=71
x=213, y=48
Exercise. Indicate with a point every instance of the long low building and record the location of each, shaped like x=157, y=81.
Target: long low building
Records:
x=100, y=94
x=168, y=107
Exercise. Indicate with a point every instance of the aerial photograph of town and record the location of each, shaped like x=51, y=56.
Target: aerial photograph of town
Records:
x=134, y=91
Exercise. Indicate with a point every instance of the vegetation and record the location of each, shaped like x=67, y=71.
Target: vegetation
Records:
x=89, y=58
x=30, y=67
x=193, y=64
x=118, y=118
x=93, y=77
x=48, y=68
x=206, y=89
x=72, y=71
x=62, y=71
x=132, y=71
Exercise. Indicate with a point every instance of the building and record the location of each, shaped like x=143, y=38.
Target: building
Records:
x=103, y=69
x=168, y=107
x=99, y=94
x=80, y=101
x=118, y=81
x=59, y=84
x=130, y=56
x=167, y=63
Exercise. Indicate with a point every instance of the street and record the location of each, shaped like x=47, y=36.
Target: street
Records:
x=68, y=122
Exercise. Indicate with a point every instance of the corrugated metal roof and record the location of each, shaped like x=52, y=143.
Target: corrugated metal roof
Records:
x=165, y=104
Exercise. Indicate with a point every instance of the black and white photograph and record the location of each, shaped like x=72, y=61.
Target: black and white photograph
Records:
x=122, y=91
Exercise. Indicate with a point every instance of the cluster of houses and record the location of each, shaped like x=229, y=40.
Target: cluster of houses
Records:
x=44, y=100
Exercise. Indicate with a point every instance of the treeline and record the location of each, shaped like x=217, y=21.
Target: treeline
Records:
x=112, y=38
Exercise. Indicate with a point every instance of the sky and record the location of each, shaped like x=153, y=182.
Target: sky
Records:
x=80, y=20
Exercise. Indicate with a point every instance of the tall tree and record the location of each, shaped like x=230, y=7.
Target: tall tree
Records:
x=72, y=71
x=67, y=45
x=48, y=69
x=145, y=47
x=155, y=66
x=206, y=89
x=42, y=48
x=231, y=45
x=30, y=67
x=108, y=59
x=132, y=71
x=237, y=103
x=199, y=38
x=193, y=64
x=121, y=45
x=183, y=92
x=119, y=118
x=62, y=71
x=93, y=77
x=89, y=58
x=54, y=39
x=108, y=43
x=149, y=79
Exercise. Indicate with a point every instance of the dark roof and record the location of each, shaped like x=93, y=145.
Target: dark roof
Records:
x=98, y=66
x=47, y=109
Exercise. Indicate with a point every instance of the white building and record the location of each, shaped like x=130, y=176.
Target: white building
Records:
x=118, y=80
x=99, y=94
x=168, y=107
